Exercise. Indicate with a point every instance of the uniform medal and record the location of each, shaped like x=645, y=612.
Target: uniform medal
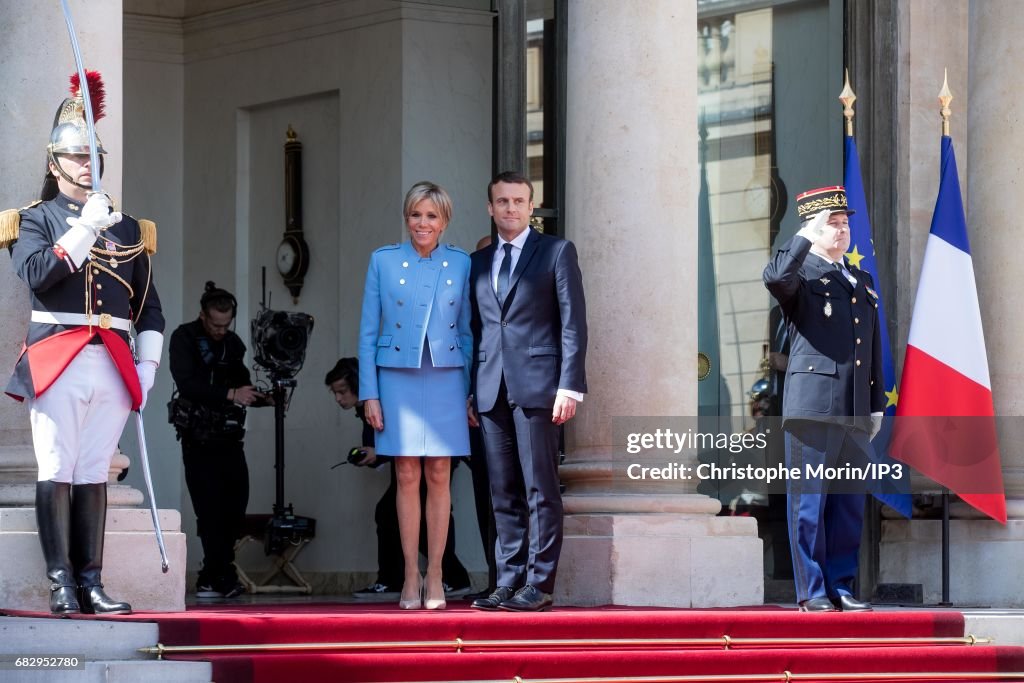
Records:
x=828, y=309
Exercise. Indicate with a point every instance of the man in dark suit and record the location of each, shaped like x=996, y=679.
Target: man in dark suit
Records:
x=530, y=341
x=834, y=397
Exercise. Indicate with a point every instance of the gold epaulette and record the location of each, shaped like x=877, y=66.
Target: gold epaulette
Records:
x=10, y=224
x=148, y=229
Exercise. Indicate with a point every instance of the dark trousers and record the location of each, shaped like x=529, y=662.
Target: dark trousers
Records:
x=218, y=483
x=824, y=522
x=390, y=561
x=482, y=498
x=522, y=462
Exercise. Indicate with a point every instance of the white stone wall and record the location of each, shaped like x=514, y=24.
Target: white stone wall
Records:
x=381, y=95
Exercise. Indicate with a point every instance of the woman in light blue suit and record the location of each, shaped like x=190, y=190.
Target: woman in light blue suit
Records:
x=414, y=358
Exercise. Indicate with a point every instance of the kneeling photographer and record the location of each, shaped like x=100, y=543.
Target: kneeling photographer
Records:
x=343, y=383
x=208, y=412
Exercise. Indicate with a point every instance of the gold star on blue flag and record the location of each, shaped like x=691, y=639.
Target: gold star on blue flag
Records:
x=862, y=255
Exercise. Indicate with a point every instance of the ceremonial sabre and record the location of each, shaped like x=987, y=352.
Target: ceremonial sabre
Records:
x=90, y=123
x=144, y=457
x=83, y=86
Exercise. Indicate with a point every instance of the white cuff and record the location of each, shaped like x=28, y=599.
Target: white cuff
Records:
x=571, y=394
x=149, y=345
x=77, y=242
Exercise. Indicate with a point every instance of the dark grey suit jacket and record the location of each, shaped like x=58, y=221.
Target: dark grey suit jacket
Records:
x=538, y=340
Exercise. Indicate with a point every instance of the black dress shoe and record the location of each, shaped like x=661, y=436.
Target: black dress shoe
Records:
x=848, y=603
x=817, y=605
x=480, y=595
x=491, y=602
x=528, y=599
x=93, y=600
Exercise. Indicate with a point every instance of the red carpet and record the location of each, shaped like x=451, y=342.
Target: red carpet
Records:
x=351, y=624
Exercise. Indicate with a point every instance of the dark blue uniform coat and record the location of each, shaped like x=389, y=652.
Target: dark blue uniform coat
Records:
x=833, y=383
x=56, y=286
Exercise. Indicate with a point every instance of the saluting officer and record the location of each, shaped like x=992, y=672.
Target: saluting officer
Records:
x=833, y=400
x=90, y=279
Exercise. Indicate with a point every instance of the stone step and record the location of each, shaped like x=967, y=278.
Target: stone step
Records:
x=131, y=561
x=1006, y=626
x=113, y=671
x=109, y=651
x=84, y=638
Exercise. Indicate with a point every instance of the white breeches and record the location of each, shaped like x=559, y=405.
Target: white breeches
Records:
x=77, y=422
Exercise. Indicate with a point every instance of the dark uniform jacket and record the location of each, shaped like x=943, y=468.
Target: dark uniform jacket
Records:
x=56, y=286
x=835, y=357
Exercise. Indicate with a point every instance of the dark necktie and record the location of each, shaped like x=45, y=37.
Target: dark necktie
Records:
x=847, y=275
x=504, y=272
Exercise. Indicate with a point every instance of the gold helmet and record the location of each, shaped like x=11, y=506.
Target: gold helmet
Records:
x=70, y=134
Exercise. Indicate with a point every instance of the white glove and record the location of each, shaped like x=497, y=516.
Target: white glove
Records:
x=147, y=376
x=97, y=214
x=813, y=230
x=876, y=424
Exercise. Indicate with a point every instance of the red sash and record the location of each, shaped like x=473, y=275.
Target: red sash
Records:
x=49, y=357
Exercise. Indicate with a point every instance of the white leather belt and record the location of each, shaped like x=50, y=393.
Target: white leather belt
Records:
x=104, y=320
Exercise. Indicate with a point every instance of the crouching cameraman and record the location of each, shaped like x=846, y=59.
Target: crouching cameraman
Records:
x=343, y=383
x=208, y=413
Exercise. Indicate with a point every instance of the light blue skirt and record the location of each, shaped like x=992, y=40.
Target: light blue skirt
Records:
x=424, y=411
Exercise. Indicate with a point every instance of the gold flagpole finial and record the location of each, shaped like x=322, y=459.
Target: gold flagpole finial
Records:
x=945, y=97
x=847, y=97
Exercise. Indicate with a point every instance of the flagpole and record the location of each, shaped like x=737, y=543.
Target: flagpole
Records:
x=945, y=549
x=847, y=97
x=945, y=97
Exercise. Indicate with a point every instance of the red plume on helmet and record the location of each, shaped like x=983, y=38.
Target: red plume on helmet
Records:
x=97, y=95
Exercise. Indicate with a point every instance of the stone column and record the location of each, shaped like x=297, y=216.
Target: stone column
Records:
x=993, y=217
x=36, y=61
x=632, y=184
x=978, y=42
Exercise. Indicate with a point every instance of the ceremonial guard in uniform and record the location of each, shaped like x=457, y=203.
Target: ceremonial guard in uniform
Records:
x=833, y=398
x=89, y=275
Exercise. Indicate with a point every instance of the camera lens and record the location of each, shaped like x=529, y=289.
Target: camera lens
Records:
x=292, y=339
x=280, y=339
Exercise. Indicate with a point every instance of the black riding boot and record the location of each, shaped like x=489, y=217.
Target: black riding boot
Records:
x=88, y=519
x=53, y=518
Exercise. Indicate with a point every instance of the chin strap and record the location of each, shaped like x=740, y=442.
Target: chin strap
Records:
x=64, y=174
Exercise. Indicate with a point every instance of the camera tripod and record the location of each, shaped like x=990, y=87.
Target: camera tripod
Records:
x=284, y=534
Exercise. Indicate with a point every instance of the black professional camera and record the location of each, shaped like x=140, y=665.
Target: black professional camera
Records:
x=279, y=341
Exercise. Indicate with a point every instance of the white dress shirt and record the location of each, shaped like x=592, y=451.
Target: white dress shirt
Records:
x=499, y=255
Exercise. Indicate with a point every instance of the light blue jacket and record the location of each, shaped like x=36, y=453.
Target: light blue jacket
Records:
x=409, y=301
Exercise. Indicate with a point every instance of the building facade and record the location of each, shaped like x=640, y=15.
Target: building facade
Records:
x=618, y=109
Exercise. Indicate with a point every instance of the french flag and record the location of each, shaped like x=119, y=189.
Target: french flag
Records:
x=945, y=425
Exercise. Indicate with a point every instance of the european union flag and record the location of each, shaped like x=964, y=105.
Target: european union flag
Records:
x=894, y=493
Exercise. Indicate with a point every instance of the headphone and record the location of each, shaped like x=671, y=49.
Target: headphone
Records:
x=213, y=292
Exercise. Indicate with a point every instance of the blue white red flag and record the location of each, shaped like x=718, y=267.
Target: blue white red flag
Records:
x=945, y=425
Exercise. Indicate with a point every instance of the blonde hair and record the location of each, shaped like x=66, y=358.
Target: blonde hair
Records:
x=432, y=191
